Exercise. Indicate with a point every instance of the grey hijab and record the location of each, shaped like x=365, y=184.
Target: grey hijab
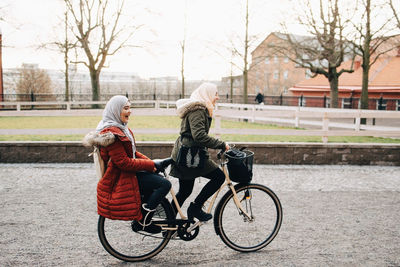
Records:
x=112, y=117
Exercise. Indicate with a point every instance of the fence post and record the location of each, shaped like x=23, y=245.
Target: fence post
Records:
x=253, y=113
x=325, y=127
x=296, y=117
x=358, y=120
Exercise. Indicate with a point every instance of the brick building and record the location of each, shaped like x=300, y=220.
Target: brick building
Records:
x=384, y=84
x=271, y=73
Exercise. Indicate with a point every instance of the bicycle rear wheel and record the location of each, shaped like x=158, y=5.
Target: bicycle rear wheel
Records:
x=118, y=238
x=241, y=233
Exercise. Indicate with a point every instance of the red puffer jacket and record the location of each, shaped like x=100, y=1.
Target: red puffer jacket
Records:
x=118, y=195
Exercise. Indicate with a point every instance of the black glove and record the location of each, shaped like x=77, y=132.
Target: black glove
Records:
x=160, y=165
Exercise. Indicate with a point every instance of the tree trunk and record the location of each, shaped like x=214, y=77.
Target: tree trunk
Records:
x=246, y=48
x=66, y=80
x=366, y=58
x=183, y=86
x=66, y=50
x=333, y=84
x=364, y=86
x=94, y=78
x=231, y=91
x=245, y=97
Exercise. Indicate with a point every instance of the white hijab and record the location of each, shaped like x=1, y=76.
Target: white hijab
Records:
x=205, y=93
x=112, y=117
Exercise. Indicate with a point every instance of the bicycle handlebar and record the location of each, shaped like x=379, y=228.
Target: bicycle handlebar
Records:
x=219, y=155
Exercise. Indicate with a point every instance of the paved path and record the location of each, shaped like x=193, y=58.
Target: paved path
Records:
x=333, y=216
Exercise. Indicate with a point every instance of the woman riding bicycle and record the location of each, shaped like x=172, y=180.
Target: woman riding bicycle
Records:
x=118, y=195
x=196, y=114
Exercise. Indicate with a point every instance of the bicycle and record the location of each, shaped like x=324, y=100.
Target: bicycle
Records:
x=247, y=218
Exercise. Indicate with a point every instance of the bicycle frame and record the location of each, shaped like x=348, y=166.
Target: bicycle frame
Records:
x=227, y=183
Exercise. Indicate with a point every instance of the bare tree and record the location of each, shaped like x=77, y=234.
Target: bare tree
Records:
x=396, y=11
x=241, y=51
x=245, y=60
x=99, y=34
x=33, y=81
x=325, y=49
x=236, y=49
x=182, y=45
x=64, y=46
x=65, y=49
x=369, y=42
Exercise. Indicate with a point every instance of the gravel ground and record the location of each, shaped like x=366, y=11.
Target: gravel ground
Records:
x=333, y=216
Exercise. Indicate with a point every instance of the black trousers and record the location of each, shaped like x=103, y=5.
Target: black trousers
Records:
x=217, y=178
x=153, y=187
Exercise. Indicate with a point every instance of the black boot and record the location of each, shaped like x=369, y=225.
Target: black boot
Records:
x=146, y=224
x=195, y=211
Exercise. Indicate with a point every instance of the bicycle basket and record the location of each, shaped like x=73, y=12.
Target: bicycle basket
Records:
x=240, y=165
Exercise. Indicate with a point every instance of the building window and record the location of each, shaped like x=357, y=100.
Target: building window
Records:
x=275, y=59
x=285, y=74
x=398, y=105
x=302, y=101
x=267, y=60
x=276, y=75
x=381, y=104
x=286, y=60
x=308, y=74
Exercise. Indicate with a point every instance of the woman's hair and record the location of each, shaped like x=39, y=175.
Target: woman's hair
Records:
x=205, y=93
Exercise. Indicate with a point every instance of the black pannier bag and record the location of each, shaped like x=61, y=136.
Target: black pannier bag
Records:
x=240, y=165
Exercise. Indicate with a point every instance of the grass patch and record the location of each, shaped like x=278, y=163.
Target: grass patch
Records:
x=312, y=139
x=73, y=122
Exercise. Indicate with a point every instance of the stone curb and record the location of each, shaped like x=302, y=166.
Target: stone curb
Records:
x=265, y=153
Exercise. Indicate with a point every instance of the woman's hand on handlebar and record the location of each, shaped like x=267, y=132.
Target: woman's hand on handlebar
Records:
x=227, y=147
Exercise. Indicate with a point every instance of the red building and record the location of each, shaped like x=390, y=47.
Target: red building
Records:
x=384, y=84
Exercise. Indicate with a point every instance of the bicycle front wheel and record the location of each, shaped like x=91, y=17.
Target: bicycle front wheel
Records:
x=118, y=238
x=245, y=234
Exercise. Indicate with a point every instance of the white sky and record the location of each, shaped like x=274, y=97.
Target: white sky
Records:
x=210, y=25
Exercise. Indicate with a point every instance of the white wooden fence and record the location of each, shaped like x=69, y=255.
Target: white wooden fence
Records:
x=69, y=104
x=316, y=117
x=323, y=122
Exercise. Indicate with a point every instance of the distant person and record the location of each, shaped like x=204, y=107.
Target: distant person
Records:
x=118, y=194
x=259, y=98
x=196, y=114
